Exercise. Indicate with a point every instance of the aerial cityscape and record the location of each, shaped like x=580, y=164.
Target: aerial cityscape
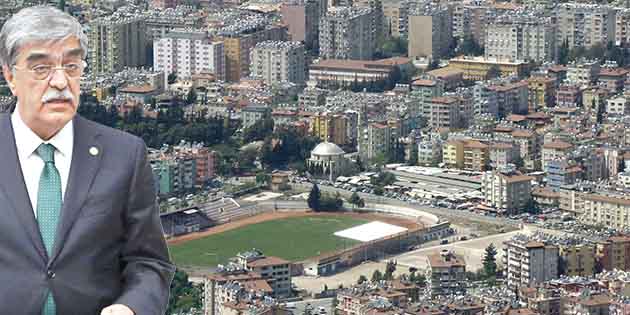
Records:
x=375, y=157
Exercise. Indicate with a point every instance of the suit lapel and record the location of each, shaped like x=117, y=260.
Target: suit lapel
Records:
x=13, y=185
x=83, y=169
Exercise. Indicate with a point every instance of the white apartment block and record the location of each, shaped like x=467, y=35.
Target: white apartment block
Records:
x=187, y=52
x=584, y=24
x=275, y=61
x=529, y=263
x=347, y=33
x=520, y=41
x=618, y=105
x=507, y=192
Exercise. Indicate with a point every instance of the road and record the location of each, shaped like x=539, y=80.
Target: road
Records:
x=443, y=212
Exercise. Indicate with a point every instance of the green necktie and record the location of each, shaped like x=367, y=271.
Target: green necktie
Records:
x=48, y=207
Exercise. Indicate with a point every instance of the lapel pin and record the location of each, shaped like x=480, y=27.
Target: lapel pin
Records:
x=94, y=151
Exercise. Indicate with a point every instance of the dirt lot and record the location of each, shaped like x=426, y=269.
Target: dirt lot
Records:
x=395, y=220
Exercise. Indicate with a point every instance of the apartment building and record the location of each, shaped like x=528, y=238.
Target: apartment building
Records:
x=524, y=39
x=430, y=32
x=472, y=19
x=276, y=62
x=302, y=19
x=622, y=27
x=374, y=140
x=253, y=113
x=511, y=97
x=186, y=52
x=276, y=271
x=228, y=286
x=238, y=44
x=608, y=210
x=174, y=175
x=453, y=154
x=476, y=156
x=528, y=262
x=584, y=25
x=447, y=274
x=450, y=112
x=528, y=142
x=618, y=105
x=613, y=253
x=561, y=172
x=583, y=72
x=553, y=150
x=506, y=190
x=347, y=33
x=541, y=93
x=396, y=14
x=502, y=154
x=430, y=151
x=378, y=18
x=577, y=259
x=116, y=42
x=330, y=128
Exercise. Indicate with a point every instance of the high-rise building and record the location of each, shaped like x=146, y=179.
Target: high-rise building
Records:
x=302, y=18
x=378, y=26
x=396, y=18
x=520, y=40
x=529, y=262
x=275, y=62
x=188, y=52
x=347, y=33
x=330, y=128
x=239, y=43
x=430, y=32
x=374, y=140
x=116, y=42
x=584, y=25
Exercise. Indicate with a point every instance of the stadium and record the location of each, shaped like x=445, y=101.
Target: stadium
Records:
x=317, y=243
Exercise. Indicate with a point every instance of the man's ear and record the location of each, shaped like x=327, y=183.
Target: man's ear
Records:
x=8, y=76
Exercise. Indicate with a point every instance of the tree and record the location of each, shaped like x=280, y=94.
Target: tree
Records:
x=362, y=279
x=377, y=276
x=62, y=5
x=563, y=52
x=354, y=199
x=493, y=72
x=172, y=77
x=389, y=270
x=191, y=98
x=314, y=198
x=490, y=262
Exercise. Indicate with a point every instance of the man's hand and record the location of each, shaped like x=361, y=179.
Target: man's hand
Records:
x=117, y=309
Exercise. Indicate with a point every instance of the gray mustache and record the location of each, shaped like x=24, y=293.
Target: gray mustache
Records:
x=65, y=95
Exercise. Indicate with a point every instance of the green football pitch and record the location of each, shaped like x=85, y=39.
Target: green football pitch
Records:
x=293, y=239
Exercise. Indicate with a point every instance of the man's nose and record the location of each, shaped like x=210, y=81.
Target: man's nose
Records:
x=59, y=80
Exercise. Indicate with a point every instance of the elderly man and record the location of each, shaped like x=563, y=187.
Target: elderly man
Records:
x=80, y=232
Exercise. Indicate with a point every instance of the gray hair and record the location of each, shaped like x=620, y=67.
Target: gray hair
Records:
x=37, y=24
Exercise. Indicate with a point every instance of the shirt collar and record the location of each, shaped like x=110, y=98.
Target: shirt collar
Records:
x=27, y=141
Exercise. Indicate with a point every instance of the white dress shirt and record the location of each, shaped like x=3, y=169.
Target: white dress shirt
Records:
x=32, y=165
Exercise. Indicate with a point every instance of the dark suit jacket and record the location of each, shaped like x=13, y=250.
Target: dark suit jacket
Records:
x=109, y=247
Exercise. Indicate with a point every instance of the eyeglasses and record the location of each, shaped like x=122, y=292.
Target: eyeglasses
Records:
x=43, y=72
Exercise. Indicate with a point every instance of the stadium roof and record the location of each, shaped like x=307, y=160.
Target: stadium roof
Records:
x=370, y=231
